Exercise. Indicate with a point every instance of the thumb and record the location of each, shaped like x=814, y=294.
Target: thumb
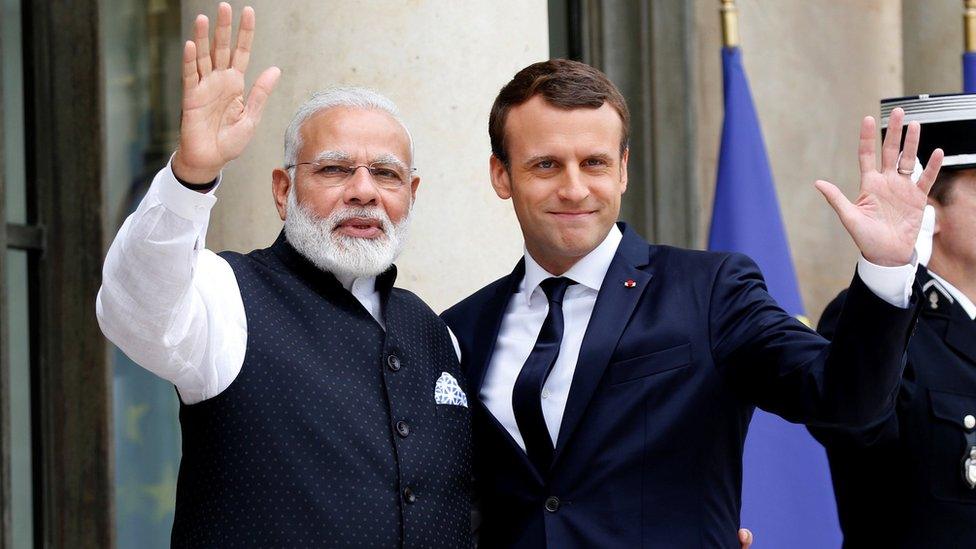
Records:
x=260, y=91
x=745, y=538
x=845, y=210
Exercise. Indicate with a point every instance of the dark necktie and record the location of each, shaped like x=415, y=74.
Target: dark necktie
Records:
x=528, y=387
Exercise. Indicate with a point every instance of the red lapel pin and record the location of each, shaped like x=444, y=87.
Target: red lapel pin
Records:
x=630, y=283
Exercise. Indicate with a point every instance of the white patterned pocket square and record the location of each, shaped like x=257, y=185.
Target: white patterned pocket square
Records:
x=447, y=391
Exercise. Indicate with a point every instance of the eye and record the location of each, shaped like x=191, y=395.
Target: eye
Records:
x=546, y=164
x=385, y=173
x=332, y=170
x=594, y=163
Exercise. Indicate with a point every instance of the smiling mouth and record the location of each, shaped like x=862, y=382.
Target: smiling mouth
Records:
x=573, y=214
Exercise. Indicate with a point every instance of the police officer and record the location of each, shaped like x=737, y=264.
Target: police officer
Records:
x=910, y=479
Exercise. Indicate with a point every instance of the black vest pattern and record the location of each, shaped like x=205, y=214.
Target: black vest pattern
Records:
x=330, y=436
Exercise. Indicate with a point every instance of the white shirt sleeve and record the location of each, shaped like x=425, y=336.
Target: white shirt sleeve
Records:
x=171, y=305
x=892, y=284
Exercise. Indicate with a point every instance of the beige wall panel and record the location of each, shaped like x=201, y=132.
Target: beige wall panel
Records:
x=933, y=44
x=442, y=62
x=815, y=69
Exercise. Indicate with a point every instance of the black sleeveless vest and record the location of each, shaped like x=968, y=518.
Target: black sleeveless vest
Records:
x=330, y=435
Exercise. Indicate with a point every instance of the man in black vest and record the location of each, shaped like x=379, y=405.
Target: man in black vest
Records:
x=909, y=480
x=320, y=406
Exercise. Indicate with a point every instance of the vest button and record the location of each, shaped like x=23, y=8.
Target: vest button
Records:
x=552, y=504
x=408, y=495
x=402, y=428
x=393, y=362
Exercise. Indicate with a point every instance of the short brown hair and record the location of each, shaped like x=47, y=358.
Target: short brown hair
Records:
x=941, y=191
x=562, y=83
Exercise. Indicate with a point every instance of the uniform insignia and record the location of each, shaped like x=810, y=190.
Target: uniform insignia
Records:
x=935, y=293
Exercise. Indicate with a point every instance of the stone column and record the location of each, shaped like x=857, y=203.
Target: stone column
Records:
x=442, y=62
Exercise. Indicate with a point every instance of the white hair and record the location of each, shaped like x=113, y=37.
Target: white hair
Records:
x=339, y=97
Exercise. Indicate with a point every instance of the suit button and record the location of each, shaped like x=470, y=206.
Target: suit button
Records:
x=408, y=495
x=402, y=428
x=552, y=504
x=969, y=421
x=393, y=362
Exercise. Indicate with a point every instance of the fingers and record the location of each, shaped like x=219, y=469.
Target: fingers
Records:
x=865, y=147
x=201, y=31
x=931, y=171
x=259, y=93
x=892, y=140
x=221, y=55
x=745, y=538
x=190, y=76
x=245, y=35
x=845, y=210
x=907, y=161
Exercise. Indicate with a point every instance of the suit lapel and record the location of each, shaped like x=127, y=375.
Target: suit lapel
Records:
x=489, y=323
x=614, y=306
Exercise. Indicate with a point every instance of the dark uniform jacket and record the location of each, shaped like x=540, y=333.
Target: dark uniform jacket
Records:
x=900, y=483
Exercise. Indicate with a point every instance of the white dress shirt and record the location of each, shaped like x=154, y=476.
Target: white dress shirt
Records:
x=173, y=306
x=528, y=307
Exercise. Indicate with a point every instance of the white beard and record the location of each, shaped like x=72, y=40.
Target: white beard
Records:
x=344, y=256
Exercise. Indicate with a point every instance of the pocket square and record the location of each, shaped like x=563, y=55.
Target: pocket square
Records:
x=447, y=391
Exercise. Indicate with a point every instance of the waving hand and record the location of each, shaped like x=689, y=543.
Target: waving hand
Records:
x=217, y=122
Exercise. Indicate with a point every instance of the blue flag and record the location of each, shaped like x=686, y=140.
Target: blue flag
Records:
x=787, y=499
x=969, y=72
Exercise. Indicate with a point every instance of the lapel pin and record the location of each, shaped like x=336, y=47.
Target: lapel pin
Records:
x=630, y=283
x=934, y=300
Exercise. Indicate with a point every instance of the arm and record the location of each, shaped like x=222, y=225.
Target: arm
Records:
x=787, y=369
x=168, y=303
x=887, y=427
x=784, y=367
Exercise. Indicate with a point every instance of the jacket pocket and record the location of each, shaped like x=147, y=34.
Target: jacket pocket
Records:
x=947, y=446
x=652, y=363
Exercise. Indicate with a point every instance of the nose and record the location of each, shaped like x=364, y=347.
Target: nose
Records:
x=573, y=187
x=359, y=188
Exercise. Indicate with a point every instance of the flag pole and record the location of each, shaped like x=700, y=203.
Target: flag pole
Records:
x=969, y=24
x=730, y=23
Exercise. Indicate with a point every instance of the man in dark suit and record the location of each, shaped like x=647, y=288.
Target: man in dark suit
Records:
x=615, y=379
x=908, y=479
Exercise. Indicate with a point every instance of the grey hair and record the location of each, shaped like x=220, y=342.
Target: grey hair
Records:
x=348, y=97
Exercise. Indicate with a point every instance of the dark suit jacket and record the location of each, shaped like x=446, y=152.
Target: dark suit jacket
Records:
x=650, y=446
x=899, y=482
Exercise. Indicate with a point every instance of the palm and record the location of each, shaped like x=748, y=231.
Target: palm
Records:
x=217, y=121
x=214, y=128
x=885, y=219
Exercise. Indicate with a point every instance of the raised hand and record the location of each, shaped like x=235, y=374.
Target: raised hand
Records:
x=217, y=122
x=885, y=219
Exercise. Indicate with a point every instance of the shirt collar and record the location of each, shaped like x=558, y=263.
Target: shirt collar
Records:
x=588, y=271
x=357, y=286
x=965, y=302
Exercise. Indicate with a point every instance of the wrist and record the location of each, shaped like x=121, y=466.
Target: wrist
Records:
x=191, y=175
